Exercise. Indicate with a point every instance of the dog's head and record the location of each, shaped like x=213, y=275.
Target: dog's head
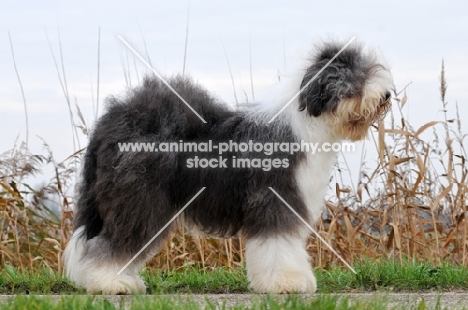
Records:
x=352, y=92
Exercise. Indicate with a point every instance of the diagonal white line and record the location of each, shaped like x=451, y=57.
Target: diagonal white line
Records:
x=311, y=80
x=160, y=231
x=313, y=230
x=161, y=78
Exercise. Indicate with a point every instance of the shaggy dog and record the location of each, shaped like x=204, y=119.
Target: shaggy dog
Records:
x=126, y=197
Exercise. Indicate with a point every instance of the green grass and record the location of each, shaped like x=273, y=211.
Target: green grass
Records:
x=194, y=280
x=44, y=281
x=371, y=276
x=388, y=275
x=323, y=302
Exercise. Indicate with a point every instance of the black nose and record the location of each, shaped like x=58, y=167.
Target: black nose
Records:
x=387, y=95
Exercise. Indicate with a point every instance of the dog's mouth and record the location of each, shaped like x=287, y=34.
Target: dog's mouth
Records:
x=365, y=122
x=356, y=117
x=382, y=109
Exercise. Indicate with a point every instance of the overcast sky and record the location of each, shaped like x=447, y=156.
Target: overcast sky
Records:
x=414, y=36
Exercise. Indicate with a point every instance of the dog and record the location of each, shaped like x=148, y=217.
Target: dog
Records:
x=124, y=199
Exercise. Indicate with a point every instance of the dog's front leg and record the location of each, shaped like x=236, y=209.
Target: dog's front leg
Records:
x=279, y=264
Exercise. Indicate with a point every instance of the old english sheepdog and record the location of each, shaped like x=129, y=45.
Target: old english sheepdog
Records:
x=125, y=197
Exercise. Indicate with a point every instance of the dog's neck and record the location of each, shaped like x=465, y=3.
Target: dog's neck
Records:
x=310, y=128
x=305, y=127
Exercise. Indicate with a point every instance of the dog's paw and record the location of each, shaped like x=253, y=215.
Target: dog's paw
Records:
x=284, y=282
x=119, y=285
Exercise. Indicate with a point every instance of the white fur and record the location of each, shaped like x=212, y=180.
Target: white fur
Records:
x=377, y=84
x=99, y=275
x=72, y=257
x=279, y=265
x=313, y=174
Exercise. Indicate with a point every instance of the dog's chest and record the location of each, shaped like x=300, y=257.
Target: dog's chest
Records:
x=312, y=177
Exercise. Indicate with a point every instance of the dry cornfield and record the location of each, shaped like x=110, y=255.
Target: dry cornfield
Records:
x=410, y=202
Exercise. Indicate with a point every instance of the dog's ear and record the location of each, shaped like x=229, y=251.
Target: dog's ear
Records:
x=319, y=95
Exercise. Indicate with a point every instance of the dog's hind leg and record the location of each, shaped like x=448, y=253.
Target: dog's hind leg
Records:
x=93, y=265
x=99, y=264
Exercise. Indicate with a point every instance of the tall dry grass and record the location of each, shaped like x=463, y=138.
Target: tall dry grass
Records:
x=411, y=203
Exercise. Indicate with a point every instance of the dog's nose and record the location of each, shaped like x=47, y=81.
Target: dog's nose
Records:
x=387, y=95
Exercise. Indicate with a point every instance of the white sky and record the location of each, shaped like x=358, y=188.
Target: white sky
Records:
x=414, y=37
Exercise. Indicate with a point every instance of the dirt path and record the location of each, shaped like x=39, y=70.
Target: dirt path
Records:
x=453, y=300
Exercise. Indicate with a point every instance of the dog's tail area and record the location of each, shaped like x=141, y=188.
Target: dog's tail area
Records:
x=87, y=211
x=87, y=221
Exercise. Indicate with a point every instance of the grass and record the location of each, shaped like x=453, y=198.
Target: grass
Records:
x=43, y=281
x=323, y=302
x=194, y=280
x=384, y=275
x=387, y=275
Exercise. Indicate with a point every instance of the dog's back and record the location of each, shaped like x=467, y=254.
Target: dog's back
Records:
x=150, y=113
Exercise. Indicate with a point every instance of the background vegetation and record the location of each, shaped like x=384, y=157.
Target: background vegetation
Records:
x=410, y=203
